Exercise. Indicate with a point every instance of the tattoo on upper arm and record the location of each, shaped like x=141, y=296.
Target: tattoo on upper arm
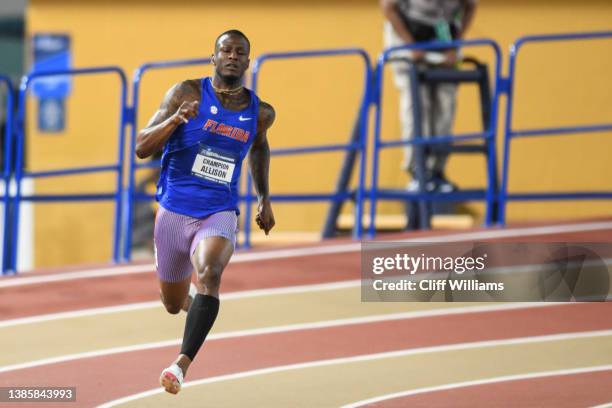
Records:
x=266, y=116
x=173, y=99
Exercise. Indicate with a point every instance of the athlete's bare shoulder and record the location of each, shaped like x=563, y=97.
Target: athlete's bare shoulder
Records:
x=185, y=91
x=266, y=115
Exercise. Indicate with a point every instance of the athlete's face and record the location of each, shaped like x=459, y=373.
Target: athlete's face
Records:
x=231, y=57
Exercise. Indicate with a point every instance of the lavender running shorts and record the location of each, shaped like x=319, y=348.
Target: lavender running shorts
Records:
x=176, y=237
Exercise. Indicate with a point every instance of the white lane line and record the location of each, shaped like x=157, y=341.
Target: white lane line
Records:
x=235, y=295
x=318, y=287
x=369, y=357
x=526, y=376
x=79, y=313
x=316, y=251
x=88, y=274
x=283, y=329
x=605, y=405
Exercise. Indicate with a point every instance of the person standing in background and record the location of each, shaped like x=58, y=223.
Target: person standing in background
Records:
x=410, y=21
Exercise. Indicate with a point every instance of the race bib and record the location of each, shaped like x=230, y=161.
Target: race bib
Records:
x=214, y=165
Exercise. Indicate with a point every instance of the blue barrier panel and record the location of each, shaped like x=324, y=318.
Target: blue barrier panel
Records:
x=6, y=170
x=132, y=195
x=360, y=146
x=510, y=134
x=116, y=167
x=488, y=135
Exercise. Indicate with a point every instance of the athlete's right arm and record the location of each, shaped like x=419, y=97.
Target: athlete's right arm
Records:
x=179, y=105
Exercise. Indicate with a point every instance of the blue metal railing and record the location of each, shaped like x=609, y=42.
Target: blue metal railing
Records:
x=360, y=146
x=510, y=134
x=6, y=170
x=372, y=93
x=116, y=167
x=134, y=166
x=488, y=135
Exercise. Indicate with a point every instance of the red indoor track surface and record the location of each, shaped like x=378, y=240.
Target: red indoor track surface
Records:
x=114, y=375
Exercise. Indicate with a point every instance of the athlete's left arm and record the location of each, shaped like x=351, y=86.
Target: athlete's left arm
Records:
x=259, y=164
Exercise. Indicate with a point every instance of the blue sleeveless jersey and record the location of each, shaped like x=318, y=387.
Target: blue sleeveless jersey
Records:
x=201, y=161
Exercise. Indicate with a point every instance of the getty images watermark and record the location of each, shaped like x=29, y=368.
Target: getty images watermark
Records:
x=464, y=272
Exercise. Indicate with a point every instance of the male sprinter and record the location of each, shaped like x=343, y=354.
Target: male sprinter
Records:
x=205, y=128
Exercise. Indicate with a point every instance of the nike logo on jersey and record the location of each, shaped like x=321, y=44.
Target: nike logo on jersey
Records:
x=242, y=119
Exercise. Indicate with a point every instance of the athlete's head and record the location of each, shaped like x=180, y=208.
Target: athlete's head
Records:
x=231, y=57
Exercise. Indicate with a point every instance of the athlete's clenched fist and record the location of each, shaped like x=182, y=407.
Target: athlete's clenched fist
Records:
x=186, y=111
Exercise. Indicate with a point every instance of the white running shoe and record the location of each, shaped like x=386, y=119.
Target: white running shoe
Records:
x=172, y=379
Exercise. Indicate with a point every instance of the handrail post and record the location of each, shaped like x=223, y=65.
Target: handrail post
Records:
x=20, y=140
x=6, y=173
x=362, y=127
x=503, y=195
x=490, y=193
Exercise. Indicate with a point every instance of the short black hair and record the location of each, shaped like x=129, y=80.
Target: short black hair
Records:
x=233, y=32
